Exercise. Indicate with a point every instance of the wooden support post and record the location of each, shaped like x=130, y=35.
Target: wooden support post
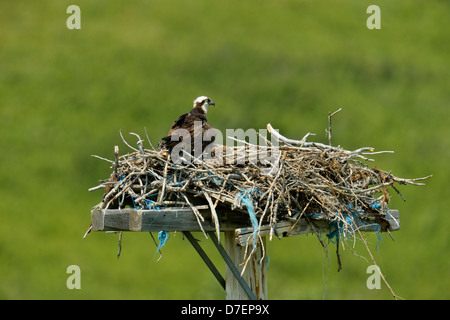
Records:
x=255, y=273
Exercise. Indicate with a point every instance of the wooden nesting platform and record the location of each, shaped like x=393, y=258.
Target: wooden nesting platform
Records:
x=239, y=285
x=183, y=219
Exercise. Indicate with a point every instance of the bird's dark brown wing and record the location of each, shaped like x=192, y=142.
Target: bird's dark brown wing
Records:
x=185, y=121
x=180, y=122
x=166, y=142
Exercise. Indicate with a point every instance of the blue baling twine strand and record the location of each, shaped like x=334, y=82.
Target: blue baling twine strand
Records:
x=163, y=236
x=380, y=239
x=246, y=199
x=147, y=204
x=337, y=226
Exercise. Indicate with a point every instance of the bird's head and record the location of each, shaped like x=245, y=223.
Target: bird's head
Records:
x=203, y=103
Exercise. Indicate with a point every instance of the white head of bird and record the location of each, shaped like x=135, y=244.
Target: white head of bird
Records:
x=203, y=102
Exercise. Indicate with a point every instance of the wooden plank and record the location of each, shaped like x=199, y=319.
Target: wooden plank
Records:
x=183, y=219
x=244, y=236
x=167, y=219
x=393, y=216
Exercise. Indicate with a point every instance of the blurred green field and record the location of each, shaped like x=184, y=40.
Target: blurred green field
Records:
x=65, y=94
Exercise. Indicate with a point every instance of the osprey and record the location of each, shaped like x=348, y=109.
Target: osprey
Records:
x=189, y=121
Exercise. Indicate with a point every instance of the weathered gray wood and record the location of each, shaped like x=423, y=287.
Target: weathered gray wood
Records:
x=167, y=219
x=244, y=236
x=255, y=274
x=183, y=219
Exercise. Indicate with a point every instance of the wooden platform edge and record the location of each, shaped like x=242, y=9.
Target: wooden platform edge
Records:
x=167, y=219
x=183, y=219
x=244, y=236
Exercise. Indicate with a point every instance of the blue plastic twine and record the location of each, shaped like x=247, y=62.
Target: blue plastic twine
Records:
x=246, y=199
x=337, y=228
x=162, y=237
x=380, y=239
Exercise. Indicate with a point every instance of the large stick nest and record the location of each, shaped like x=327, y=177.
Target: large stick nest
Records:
x=304, y=180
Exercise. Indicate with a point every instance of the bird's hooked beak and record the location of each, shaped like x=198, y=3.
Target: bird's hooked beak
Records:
x=207, y=104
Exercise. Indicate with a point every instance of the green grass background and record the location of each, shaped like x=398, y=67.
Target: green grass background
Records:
x=65, y=94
